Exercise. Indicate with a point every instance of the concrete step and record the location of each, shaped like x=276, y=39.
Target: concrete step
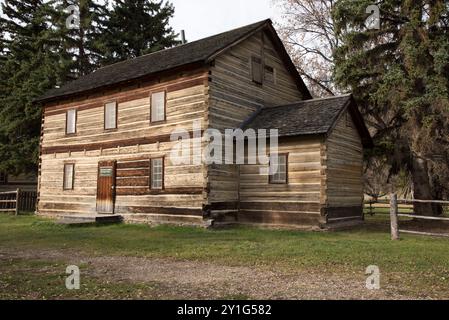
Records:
x=89, y=219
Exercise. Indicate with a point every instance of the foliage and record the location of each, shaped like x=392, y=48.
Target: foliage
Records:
x=399, y=75
x=136, y=28
x=38, y=52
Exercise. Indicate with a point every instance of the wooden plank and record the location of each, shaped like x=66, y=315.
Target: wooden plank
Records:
x=425, y=233
x=422, y=217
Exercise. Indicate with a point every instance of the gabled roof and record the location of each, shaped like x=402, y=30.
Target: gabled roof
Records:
x=309, y=117
x=201, y=52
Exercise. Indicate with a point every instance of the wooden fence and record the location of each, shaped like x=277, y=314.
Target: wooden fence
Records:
x=16, y=201
x=395, y=214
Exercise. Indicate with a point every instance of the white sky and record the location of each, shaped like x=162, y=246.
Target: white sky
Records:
x=202, y=18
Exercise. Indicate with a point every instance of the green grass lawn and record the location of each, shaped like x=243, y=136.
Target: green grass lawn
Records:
x=421, y=259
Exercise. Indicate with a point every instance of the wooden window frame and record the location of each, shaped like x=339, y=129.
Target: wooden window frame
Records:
x=64, y=177
x=268, y=68
x=162, y=188
x=270, y=177
x=116, y=116
x=262, y=69
x=151, y=106
x=348, y=120
x=67, y=122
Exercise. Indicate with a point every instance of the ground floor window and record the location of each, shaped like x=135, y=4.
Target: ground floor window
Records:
x=157, y=173
x=279, y=174
x=69, y=176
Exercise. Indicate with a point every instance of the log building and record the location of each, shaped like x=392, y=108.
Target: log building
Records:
x=106, y=139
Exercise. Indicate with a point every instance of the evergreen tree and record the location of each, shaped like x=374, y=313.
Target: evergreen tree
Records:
x=81, y=41
x=30, y=69
x=400, y=77
x=138, y=27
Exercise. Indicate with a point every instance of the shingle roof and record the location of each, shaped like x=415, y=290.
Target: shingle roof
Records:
x=308, y=117
x=193, y=52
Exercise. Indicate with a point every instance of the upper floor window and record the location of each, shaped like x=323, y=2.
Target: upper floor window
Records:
x=279, y=175
x=348, y=119
x=3, y=178
x=257, y=70
x=157, y=173
x=270, y=74
x=158, y=102
x=70, y=127
x=69, y=176
x=110, y=116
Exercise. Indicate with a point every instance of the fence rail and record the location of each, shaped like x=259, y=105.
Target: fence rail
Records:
x=16, y=201
x=395, y=214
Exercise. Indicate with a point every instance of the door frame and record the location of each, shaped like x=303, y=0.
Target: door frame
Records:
x=101, y=164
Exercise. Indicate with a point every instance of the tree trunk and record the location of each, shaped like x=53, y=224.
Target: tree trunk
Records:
x=421, y=187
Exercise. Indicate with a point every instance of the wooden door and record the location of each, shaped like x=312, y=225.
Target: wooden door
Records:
x=106, y=187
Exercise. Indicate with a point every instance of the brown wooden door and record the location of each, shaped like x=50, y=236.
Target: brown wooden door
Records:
x=106, y=187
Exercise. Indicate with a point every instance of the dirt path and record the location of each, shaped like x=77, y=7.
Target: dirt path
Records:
x=199, y=280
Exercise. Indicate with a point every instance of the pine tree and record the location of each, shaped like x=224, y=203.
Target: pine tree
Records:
x=400, y=77
x=82, y=48
x=30, y=68
x=138, y=27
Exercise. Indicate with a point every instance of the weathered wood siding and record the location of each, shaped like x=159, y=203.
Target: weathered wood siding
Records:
x=132, y=145
x=234, y=97
x=296, y=203
x=344, y=172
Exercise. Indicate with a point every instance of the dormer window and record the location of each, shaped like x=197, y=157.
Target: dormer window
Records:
x=269, y=75
x=257, y=70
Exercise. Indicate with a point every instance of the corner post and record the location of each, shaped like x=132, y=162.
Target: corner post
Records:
x=17, y=201
x=394, y=217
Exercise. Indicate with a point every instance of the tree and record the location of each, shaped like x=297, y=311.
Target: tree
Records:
x=30, y=68
x=399, y=75
x=308, y=33
x=138, y=27
x=82, y=48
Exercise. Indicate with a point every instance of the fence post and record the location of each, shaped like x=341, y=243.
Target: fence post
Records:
x=394, y=217
x=17, y=201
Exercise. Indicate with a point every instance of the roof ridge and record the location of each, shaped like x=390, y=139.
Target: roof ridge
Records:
x=261, y=22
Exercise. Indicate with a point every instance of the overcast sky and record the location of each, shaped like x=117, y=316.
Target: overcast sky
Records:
x=202, y=18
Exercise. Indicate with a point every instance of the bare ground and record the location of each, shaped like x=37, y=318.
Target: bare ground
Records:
x=199, y=280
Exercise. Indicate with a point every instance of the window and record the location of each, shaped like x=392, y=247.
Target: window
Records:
x=158, y=106
x=157, y=174
x=3, y=178
x=348, y=119
x=256, y=69
x=270, y=75
x=69, y=176
x=70, y=127
x=279, y=176
x=110, y=116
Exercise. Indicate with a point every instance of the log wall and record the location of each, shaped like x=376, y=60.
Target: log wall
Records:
x=234, y=97
x=344, y=172
x=296, y=203
x=132, y=145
